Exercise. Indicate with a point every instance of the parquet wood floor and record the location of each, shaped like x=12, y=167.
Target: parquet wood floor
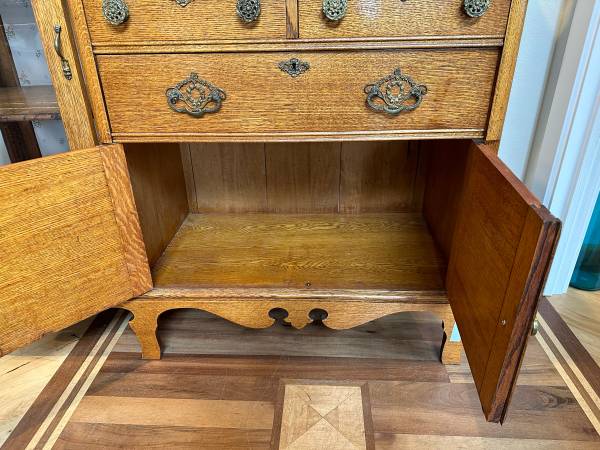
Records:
x=220, y=386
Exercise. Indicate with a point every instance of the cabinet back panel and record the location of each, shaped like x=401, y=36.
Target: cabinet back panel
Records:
x=349, y=177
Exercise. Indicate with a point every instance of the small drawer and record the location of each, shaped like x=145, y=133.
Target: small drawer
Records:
x=451, y=92
x=173, y=21
x=402, y=18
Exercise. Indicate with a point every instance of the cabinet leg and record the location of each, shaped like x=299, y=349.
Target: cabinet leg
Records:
x=144, y=326
x=450, y=352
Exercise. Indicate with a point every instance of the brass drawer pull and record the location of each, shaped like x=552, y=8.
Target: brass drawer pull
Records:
x=195, y=96
x=248, y=10
x=395, y=93
x=66, y=67
x=335, y=9
x=115, y=11
x=476, y=8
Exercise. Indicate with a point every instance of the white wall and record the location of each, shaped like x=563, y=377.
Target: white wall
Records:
x=551, y=138
x=544, y=28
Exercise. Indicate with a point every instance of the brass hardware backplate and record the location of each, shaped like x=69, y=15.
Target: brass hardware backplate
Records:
x=294, y=67
x=248, y=10
x=395, y=93
x=476, y=8
x=335, y=9
x=195, y=96
x=115, y=11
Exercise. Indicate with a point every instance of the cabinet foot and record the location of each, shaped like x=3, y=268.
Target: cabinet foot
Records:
x=144, y=326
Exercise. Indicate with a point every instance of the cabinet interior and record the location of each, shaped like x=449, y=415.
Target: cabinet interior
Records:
x=319, y=216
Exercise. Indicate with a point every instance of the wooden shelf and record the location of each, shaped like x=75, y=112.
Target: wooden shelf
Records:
x=28, y=103
x=313, y=254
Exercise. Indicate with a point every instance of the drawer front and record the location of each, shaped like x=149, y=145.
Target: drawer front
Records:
x=328, y=98
x=152, y=21
x=397, y=18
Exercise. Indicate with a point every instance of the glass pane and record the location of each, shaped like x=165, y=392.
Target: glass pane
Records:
x=32, y=69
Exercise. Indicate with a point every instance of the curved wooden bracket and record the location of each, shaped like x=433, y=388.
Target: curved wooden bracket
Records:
x=338, y=314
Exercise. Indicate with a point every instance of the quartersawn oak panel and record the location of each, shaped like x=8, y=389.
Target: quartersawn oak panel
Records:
x=158, y=184
x=327, y=251
x=328, y=98
x=228, y=177
x=399, y=18
x=379, y=177
x=201, y=20
x=293, y=178
x=303, y=178
x=70, y=242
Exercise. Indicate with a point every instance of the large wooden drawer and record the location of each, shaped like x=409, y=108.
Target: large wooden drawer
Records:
x=397, y=18
x=160, y=21
x=328, y=99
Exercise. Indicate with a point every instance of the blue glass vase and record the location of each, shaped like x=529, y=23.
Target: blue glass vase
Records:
x=587, y=269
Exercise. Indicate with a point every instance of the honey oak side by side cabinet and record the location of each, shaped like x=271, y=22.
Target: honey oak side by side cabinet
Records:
x=299, y=159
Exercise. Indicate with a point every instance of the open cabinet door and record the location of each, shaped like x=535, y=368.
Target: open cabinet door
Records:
x=70, y=242
x=499, y=241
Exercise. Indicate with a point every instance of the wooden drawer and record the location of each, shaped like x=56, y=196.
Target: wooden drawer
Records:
x=328, y=100
x=397, y=18
x=156, y=21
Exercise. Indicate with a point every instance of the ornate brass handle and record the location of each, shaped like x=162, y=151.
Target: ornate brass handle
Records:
x=195, y=96
x=335, y=9
x=66, y=67
x=476, y=8
x=248, y=10
x=115, y=11
x=395, y=93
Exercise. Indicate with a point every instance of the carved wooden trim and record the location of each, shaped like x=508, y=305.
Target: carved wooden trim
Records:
x=257, y=313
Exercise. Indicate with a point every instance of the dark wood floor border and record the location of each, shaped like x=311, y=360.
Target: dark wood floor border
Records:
x=43, y=404
x=578, y=353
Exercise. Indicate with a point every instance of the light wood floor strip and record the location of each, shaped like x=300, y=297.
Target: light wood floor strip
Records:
x=119, y=323
x=429, y=442
x=175, y=412
x=572, y=386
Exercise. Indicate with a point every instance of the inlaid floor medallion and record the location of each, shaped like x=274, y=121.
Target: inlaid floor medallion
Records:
x=322, y=416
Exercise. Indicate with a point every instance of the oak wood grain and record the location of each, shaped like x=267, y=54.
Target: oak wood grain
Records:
x=403, y=19
x=291, y=19
x=328, y=98
x=160, y=193
x=150, y=20
x=325, y=251
x=303, y=178
x=93, y=92
x=71, y=94
x=506, y=69
x=61, y=241
x=341, y=313
x=378, y=177
x=229, y=177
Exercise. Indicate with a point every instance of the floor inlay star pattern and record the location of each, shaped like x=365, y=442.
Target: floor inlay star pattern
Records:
x=322, y=415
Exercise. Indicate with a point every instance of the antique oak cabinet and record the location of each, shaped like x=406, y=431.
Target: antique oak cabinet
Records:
x=327, y=160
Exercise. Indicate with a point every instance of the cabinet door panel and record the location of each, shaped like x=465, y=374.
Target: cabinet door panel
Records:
x=501, y=246
x=70, y=242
